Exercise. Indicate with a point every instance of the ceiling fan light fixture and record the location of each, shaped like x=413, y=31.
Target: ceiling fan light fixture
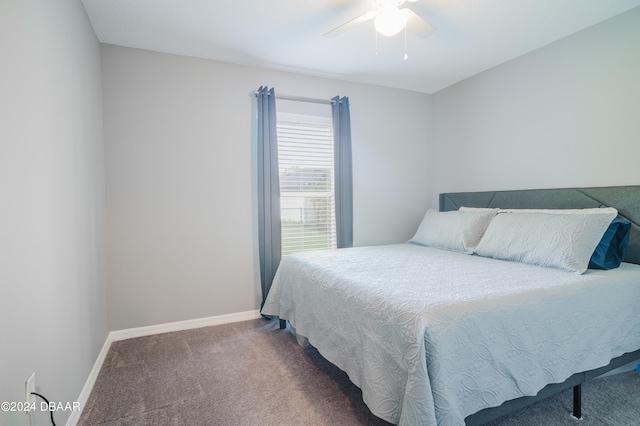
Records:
x=390, y=20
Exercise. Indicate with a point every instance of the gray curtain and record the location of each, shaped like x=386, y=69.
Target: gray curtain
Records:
x=343, y=173
x=269, y=234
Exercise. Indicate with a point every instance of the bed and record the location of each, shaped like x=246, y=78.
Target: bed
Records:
x=444, y=337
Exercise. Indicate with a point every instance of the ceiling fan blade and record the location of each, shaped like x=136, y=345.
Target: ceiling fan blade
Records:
x=351, y=24
x=418, y=25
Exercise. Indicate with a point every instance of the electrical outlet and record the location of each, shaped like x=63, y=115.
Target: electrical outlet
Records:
x=30, y=386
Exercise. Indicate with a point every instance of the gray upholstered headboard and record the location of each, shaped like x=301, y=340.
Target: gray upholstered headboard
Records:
x=624, y=198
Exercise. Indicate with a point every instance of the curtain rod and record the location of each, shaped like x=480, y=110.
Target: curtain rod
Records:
x=300, y=99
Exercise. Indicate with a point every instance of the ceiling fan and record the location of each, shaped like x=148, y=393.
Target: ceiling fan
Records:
x=390, y=20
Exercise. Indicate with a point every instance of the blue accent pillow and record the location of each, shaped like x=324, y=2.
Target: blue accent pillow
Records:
x=610, y=251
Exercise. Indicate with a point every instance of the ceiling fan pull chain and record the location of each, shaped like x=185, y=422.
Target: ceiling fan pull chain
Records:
x=376, y=31
x=405, y=44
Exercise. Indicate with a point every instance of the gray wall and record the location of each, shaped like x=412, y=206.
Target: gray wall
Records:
x=564, y=115
x=180, y=173
x=53, y=297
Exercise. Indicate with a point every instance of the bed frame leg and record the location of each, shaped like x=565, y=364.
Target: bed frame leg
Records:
x=577, y=402
x=283, y=324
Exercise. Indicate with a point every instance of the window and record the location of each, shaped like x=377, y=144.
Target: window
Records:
x=313, y=215
x=307, y=192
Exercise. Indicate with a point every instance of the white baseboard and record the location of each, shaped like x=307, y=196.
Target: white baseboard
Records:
x=91, y=380
x=130, y=333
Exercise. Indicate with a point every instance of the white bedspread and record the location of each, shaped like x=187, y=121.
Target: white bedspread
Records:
x=432, y=336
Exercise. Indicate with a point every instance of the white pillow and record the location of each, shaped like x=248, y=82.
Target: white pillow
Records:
x=557, y=240
x=453, y=230
x=596, y=210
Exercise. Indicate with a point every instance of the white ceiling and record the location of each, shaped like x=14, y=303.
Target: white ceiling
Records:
x=471, y=36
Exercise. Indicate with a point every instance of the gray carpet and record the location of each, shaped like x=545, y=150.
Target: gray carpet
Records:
x=252, y=373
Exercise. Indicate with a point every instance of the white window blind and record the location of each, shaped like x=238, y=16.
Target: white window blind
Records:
x=307, y=196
